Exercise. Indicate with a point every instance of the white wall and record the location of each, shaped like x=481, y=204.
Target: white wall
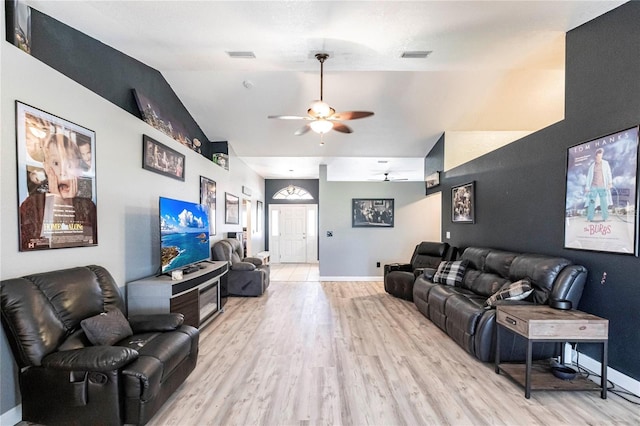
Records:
x=127, y=195
x=352, y=253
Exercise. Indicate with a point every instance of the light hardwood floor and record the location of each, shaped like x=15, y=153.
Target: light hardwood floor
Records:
x=347, y=353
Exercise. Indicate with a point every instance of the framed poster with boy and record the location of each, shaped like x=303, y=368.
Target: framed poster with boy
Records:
x=56, y=181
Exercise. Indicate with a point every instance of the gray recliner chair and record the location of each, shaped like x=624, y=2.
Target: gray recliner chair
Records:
x=247, y=276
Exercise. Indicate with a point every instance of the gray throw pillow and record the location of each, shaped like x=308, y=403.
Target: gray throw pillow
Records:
x=106, y=328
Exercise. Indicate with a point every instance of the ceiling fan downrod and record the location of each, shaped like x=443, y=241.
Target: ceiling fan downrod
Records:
x=321, y=57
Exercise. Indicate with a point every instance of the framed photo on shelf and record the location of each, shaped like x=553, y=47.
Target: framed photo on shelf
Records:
x=601, y=198
x=161, y=159
x=56, y=181
x=463, y=203
x=208, y=199
x=372, y=212
x=231, y=209
x=432, y=180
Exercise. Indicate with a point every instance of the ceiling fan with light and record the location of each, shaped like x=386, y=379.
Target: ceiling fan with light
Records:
x=321, y=117
x=388, y=179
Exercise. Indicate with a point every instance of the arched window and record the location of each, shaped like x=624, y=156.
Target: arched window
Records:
x=292, y=192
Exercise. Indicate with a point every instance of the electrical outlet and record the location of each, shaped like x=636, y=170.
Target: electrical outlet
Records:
x=377, y=264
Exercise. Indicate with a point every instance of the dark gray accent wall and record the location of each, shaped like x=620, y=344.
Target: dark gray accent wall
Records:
x=520, y=188
x=106, y=71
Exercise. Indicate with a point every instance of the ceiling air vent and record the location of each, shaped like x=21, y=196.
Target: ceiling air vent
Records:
x=416, y=54
x=242, y=55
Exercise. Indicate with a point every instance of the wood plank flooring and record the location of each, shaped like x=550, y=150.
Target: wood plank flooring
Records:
x=347, y=353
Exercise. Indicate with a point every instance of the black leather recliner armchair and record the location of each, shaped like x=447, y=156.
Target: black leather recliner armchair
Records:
x=63, y=377
x=247, y=276
x=399, y=277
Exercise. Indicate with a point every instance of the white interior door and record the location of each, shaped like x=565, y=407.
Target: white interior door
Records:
x=293, y=236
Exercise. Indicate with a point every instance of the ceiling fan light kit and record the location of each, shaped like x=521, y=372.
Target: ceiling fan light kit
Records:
x=321, y=116
x=321, y=126
x=320, y=109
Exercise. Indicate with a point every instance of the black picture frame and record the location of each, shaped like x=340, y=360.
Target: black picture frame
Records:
x=372, y=212
x=463, y=203
x=159, y=158
x=208, y=198
x=231, y=209
x=603, y=169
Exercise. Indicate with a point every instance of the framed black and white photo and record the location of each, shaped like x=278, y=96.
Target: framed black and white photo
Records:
x=463, y=203
x=56, y=181
x=208, y=199
x=372, y=212
x=161, y=159
x=601, y=198
x=231, y=209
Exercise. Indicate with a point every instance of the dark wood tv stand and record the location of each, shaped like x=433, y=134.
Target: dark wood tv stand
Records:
x=196, y=295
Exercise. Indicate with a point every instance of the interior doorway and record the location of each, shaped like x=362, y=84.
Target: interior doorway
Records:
x=293, y=233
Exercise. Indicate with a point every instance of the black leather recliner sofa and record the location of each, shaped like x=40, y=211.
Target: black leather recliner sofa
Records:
x=399, y=277
x=460, y=310
x=51, y=319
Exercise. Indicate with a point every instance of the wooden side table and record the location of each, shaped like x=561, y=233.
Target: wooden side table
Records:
x=540, y=323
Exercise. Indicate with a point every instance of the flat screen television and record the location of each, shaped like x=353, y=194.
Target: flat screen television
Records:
x=184, y=234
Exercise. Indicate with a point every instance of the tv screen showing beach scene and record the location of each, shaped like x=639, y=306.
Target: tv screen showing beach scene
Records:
x=184, y=234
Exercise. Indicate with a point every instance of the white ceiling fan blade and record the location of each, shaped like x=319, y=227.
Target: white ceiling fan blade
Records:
x=288, y=117
x=302, y=130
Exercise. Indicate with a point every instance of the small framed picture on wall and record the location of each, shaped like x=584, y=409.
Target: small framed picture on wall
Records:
x=231, y=209
x=463, y=203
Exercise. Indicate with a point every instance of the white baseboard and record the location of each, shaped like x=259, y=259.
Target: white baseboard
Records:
x=375, y=278
x=617, y=378
x=12, y=416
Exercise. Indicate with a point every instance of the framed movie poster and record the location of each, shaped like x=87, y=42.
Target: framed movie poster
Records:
x=208, y=199
x=463, y=203
x=372, y=212
x=601, y=201
x=56, y=181
x=161, y=159
x=231, y=209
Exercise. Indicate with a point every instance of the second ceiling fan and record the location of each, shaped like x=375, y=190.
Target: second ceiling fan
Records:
x=321, y=117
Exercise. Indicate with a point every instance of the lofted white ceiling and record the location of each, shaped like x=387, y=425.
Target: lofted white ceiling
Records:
x=494, y=66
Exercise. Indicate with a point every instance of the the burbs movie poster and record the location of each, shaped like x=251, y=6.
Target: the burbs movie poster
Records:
x=56, y=181
x=601, y=194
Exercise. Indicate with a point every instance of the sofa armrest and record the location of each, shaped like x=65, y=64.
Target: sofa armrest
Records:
x=397, y=267
x=506, y=302
x=253, y=260
x=243, y=266
x=428, y=273
x=93, y=358
x=158, y=322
